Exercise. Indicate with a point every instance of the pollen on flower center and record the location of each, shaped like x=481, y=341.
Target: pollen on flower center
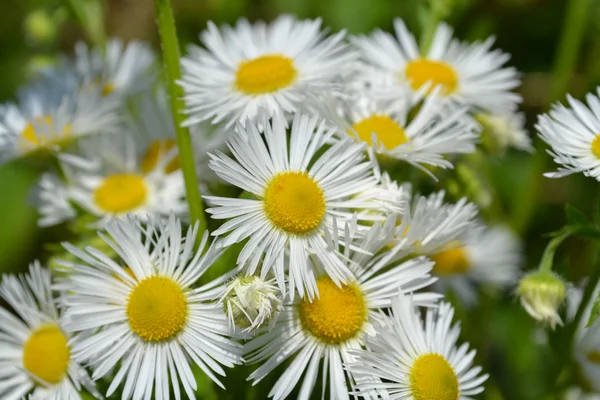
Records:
x=157, y=309
x=120, y=193
x=421, y=71
x=449, y=262
x=265, y=74
x=388, y=131
x=31, y=135
x=294, y=202
x=46, y=354
x=157, y=150
x=596, y=145
x=337, y=315
x=432, y=377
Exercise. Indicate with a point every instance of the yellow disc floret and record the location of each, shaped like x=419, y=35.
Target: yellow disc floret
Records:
x=388, y=131
x=157, y=309
x=155, y=152
x=46, y=354
x=294, y=202
x=337, y=315
x=421, y=71
x=594, y=357
x=30, y=137
x=452, y=261
x=265, y=74
x=432, y=378
x=596, y=145
x=120, y=193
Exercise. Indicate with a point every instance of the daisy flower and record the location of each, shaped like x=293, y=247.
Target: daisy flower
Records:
x=48, y=116
x=297, y=197
x=416, y=360
x=505, y=130
x=469, y=74
x=574, y=136
x=36, y=354
x=107, y=179
x=254, y=66
x=329, y=327
x=412, y=131
x=429, y=223
x=482, y=255
x=147, y=322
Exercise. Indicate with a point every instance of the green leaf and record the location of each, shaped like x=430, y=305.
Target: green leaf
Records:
x=575, y=216
x=595, y=312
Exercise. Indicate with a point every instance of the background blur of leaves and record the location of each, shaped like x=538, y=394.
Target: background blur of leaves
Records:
x=33, y=31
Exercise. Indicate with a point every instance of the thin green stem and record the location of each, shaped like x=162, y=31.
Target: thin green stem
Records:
x=548, y=256
x=90, y=15
x=429, y=29
x=569, y=46
x=170, y=49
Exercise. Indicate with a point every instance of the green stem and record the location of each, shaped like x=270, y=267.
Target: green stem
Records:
x=170, y=49
x=90, y=15
x=428, y=33
x=569, y=46
x=548, y=256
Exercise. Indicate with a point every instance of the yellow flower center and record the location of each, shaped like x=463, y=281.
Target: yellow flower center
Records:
x=108, y=88
x=596, y=146
x=120, y=193
x=157, y=309
x=294, y=202
x=155, y=152
x=265, y=74
x=439, y=73
x=337, y=315
x=449, y=262
x=432, y=378
x=46, y=354
x=388, y=132
x=30, y=137
x=594, y=357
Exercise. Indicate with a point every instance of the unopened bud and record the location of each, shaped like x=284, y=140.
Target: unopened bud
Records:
x=250, y=304
x=541, y=295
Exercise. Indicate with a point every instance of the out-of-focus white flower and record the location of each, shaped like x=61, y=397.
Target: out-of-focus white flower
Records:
x=541, y=294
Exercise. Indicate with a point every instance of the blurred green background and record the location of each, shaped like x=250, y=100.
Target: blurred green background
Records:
x=509, y=344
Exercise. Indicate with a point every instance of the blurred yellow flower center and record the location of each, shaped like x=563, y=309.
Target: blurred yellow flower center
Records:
x=31, y=137
x=157, y=309
x=120, y=193
x=388, y=131
x=337, y=315
x=294, y=202
x=439, y=73
x=46, y=354
x=432, y=378
x=449, y=262
x=594, y=357
x=156, y=151
x=108, y=88
x=596, y=146
x=265, y=74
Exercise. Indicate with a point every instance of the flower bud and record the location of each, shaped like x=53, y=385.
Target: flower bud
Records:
x=250, y=304
x=541, y=294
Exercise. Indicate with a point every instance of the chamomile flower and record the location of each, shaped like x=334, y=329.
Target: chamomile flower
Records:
x=260, y=66
x=505, y=130
x=297, y=197
x=469, y=74
x=434, y=129
x=416, y=360
x=483, y=256
x=147, y=322
x=330, y=326
x=36, y=360
x=574, y=136
x=49, y=116
x=121, y=69
x=429, y=223
x=106, y=179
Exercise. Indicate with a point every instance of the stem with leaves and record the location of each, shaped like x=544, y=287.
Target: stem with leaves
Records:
x=170, y=49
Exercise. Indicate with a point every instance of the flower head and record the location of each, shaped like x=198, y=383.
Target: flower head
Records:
x=541, y=294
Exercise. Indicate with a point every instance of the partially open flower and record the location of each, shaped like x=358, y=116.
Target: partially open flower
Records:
x=251, y=303
x=541, y=294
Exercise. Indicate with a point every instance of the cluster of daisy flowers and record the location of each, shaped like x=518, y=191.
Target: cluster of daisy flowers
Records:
x=341, y=271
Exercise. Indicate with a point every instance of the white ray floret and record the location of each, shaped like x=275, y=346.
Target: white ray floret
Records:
x=252, y=66
x=35, y=359
x=320, y=335
x=147, y=322
x=296, y=197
